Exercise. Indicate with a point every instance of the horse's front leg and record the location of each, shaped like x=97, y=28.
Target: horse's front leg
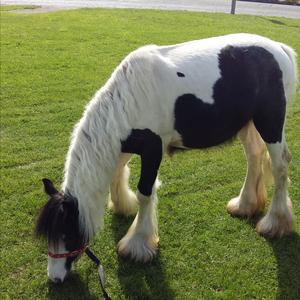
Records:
x=122, y=199
x=141, y=241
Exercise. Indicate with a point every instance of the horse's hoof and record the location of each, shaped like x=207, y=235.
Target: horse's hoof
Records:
x=137, y=248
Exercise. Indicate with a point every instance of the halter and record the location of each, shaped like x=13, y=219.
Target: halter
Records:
x=93, y=257
x=68, y=254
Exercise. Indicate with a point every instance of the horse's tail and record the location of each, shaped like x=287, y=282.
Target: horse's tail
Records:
x=293, y=76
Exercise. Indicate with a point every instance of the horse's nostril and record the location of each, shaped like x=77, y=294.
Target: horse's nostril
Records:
x=57, y=280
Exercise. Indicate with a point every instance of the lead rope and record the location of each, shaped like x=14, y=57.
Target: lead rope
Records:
x=101, y=273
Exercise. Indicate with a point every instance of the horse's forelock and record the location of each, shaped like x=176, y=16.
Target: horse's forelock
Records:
x=50, y=221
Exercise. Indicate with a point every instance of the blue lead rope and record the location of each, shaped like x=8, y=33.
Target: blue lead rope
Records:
x=101, y=273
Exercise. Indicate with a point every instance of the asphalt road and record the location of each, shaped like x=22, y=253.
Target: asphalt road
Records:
x=242, y=7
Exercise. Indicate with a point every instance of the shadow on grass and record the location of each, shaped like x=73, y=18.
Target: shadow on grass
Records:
x=287, y=253
x=140, y=281
x=277, y=22
x=72, y=288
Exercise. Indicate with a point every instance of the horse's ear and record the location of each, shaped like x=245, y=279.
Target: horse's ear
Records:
x=49, y=187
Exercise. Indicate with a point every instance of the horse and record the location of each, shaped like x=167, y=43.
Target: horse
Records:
x=159, y=100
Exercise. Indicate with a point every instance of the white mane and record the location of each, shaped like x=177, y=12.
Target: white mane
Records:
x=94, y=150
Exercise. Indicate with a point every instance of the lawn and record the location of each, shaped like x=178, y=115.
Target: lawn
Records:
x=51, y=65
x=17, y=7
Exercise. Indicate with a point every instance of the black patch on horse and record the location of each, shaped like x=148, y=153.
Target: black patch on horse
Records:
x=148, y=145
x=179, y=74
x=250, y=87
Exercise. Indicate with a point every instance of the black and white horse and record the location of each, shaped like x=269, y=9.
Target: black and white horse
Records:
x=161, y=98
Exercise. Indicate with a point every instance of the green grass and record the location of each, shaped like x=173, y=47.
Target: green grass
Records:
x=51, y=64
x=15, y=7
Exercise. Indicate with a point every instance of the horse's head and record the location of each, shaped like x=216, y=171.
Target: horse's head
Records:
x=59, y=223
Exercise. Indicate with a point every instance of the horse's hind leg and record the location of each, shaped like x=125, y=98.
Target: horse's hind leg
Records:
x=122, y=199
x=252, y=197
x=141, y=241
x=269, y=122
x=279, y=219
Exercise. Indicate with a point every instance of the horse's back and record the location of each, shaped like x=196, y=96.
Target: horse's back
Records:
x=207, y=90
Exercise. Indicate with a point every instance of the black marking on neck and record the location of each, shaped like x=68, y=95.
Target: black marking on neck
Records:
x=179, y=74
x=87, y=136
x=118, y=92
x=77, y=156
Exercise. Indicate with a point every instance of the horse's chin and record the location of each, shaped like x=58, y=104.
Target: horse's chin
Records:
x=58, y=277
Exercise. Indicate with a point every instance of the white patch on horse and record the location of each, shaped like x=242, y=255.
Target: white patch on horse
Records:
x=57, y=266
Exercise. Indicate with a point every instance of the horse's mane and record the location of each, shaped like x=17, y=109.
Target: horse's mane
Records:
x=94, y=151
x=96, y=140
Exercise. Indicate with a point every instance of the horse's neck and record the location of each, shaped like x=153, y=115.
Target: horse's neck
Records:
x=95, y=149
x=90, y=164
